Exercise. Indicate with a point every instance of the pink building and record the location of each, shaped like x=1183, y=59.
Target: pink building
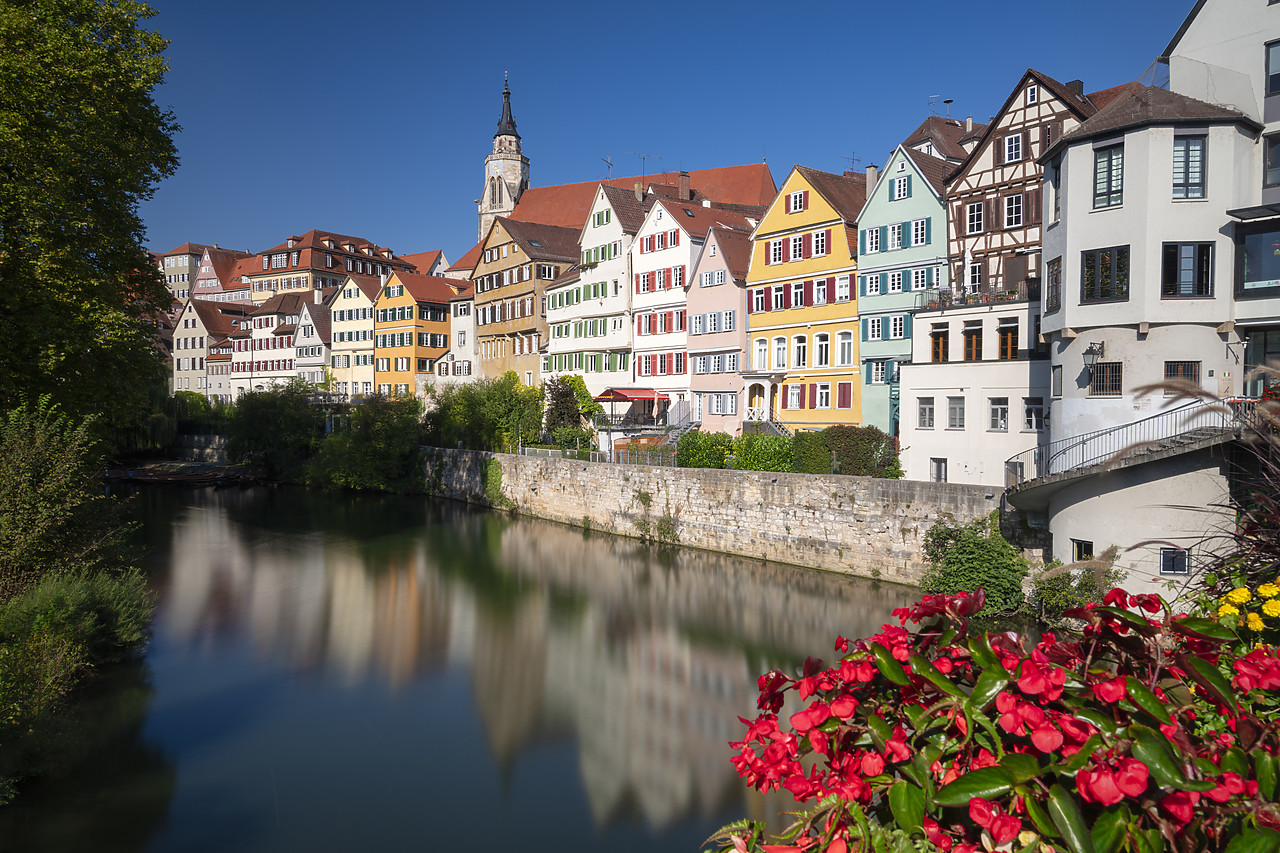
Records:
x=717, y=304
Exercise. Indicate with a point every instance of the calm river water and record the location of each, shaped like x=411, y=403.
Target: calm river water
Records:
x=386, y=674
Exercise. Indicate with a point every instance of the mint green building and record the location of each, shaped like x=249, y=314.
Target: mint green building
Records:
x=902, y=263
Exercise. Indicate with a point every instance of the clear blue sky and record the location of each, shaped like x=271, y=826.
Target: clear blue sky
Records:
x=373, y=118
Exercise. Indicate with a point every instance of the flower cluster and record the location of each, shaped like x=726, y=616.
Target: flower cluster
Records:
x=1256, y=613
x=1141, y=729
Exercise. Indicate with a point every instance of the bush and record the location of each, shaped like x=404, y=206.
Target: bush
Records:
x=487, y=414
x=964, y=558
x=760, y=452
x=860, y=451
x=105, y=614
x=1056, y=588
x=276, y=429
x=1152, y=735
x=376, y=449
x=698, y=449
x=574, y=438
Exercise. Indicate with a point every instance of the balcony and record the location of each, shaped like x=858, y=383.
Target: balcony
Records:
x=1023, y=291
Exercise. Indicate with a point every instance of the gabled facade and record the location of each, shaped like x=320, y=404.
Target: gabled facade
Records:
x=311, y=343
x=351, y=319
x=458, y=363
x=180, y=267
x=516, y=263
x=317, y=260
x=411, y=330
x=802, y=303
x=995, y=195
x=716, y=297
x=199, y=328
x=902, y=263
x=214, y=278
x=265, y=353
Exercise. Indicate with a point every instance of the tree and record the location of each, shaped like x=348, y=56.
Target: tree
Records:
x=82, y=143
x=377, y=450
x=275, y=429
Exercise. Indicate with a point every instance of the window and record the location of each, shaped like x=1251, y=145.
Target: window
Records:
x=876, y=371
x=820, y=292
x=1188, y=166
x=1013, y=211
x=1186, y=269
x=919, y=232
x=919, y=279
x=1106, y=379
x=757, y=300
x=973, y=214
x=901, y=187
x=973, y=342
x=895, y=282
x=955, y=413
x=1033, y=94
x=937, y=470
x=778, y=297
x=1055, y=382
x=822, y=350
x=1013, y=148
x=1033, y=413
x=800, y=350
x=1271, y=175
x=895, y=236
x=797, y=294
x=872, y=236
x=1008, y=340
x=1053, y=290
x=1108, y=176
x=793, y=396
x=999, y=413
x=897, y=325
x=824, y=395
x=1055, y=182
x=1173, y=561
x=973, y=276
x=1273, y=68
x=1104, y=275
x=874, y=329
x=924, y=413
x=842, y=288
x=779, y=353
x=872, y=284
x=1081, y=550
x=775, y=251
x=1181, y=371
x=939, y=342
x=728, y=323
x=796, y=202
x=797, y=247
x=844, y=342
x=762, y=354
x=819, y=243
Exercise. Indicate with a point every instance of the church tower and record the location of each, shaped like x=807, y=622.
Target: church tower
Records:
x=506, y=170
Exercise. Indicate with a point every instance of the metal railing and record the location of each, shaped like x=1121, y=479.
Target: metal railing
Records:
x=622, y=457
x=1166, y=430
x=1023, y=291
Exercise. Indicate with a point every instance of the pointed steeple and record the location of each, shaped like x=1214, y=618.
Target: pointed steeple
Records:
x=506, y=124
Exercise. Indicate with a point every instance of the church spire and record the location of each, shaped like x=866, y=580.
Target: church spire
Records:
x=506, y=124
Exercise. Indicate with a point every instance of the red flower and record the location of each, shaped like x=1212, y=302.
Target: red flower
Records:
x=815, y=715
x=1046, y=738
x=844, y=706
x=1180, y=805
x=1040, y=678
x=1232, y=785
x=1149, y=603
x=1116, y=597
x=1111, y=691
x=1098, y=785
x=1003, y=827
x=1131, y=776
x=872, y=764
x=940, y=839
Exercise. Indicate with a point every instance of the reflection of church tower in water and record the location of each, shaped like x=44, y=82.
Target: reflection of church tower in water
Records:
x=506, y=170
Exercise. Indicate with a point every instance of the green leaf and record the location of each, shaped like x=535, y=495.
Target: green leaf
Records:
x=986, y=783
x=1255, y=840
x=1066, y=816
x=989, y=685
x=1152, y=749
x=1146, y=840
x=1264, y=771
x=926, y=670
x=1023, y=767
x=1203, y=629
x=1099, y=720
x=916, y=714
x=1039, y=817
x=980, y=648
x=906, y=801
x=1234, y=760
x=1130, y=618
x=880, y=729
x=888, y=666
x=1211, y=679
x=1109, y=829
x=1141, y=696
x=1081, y=757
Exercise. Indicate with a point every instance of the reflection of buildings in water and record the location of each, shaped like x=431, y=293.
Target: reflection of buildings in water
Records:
x=509, y=675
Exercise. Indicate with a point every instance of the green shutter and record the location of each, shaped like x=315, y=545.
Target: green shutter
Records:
x=866, y=373
x=884, y=238
x=885, y=325
x=866, y=328
x=906, y=281
x=908, y=186
x=906, y=326
x=862, y=242
x=884, y=282
x=928, y=230
x=928, y=275
x=862, y=286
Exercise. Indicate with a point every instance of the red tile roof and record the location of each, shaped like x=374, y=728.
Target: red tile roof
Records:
x=428, y=288
x=424, y=261
x=696, y=220
x=846, y=193
x=468, y=262
x=735, y=248
x=189, y=249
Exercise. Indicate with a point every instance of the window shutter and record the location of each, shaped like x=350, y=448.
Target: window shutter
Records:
x=866, y=328
x=751, y=301
x=990, y=220
x=960, y=222
x=808, y=294
x=866, y=373
x=928, y=230
x=906, y=281
x=675, y=238
x=885, y=325
x=808, y=245
x=804, y=204
x=768, y=299
x=827, y=241
x=928, y=275
x=862, y=286
x=999, y=152
x=813, y=395
x=1033, y=205
x=844, y=395
x=786, y=296
x=908, y=186
x=884, y=238
x=801, y=395
x=671, y=321
x=785, y=396
x=637, y=282
x=884, y=282
x=906, y=326
x=639, y=324
x=786, y=205
x=684, y=274
x=862, y=242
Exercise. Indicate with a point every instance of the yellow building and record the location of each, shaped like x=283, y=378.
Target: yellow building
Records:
x=410, y=330
x=802, y=366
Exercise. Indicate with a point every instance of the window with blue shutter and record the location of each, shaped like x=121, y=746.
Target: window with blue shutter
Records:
x=906, y=326
x=928, y=230
x=866, y=328
x=866, y=373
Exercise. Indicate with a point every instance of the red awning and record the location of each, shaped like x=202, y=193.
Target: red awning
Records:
x=630, y=395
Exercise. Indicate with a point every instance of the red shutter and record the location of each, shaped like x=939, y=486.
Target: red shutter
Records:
x=844, y=395
x=786, y=296
x=785, y=397
x=830, y=250
x=671, y=321
x=808, y=293
x=804, y=204
x=1033, y=202
x=675, y=238
x=684, y=274
x=750, y=301
x=639, y=324
x=671, y=278
x=808, y=245
x=802, y=393
x=637, y=282
x=768, y=299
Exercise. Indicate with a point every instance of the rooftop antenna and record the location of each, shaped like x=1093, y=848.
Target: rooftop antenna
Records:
x=608, y=162
x=644, y=173
x=853, y=159
x=948, y=102
x=933, y=104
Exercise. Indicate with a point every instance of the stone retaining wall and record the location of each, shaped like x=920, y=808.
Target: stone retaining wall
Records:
x=859, y=525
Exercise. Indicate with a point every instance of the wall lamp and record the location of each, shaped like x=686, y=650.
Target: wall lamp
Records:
x=1092, y=353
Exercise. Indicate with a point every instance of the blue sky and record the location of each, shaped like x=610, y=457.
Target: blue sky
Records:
x=373, y=118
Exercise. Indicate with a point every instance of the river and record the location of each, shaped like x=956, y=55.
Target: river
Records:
x=356, y=673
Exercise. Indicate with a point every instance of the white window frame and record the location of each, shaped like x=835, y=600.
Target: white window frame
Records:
x=872, y=240
x=918, y=232
x=897, y=326
x=900, y=188
x=1013, y=213
x=842, y=288
x=895, y=282
x=1013, y=148
x=797, y=247
x=895, y=236
x=819, y=243
x=974, y=218
x=844, y=348
x=822, y=350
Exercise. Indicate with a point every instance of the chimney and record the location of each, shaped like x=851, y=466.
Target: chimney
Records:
x=968, y=124
x=639, y=192
x=873, y=175
x=684, y=186
x=706, y=202
x=1076, y=86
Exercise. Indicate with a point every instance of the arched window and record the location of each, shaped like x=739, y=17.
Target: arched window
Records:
x=779, y=353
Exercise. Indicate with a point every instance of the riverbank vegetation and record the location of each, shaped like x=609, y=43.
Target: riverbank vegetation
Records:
x=857, y=451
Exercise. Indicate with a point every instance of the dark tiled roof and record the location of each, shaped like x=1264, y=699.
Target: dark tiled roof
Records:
x=424, y=261
x=216, y=316
x=697, y=220
x=428, y=288
x=847, y=193
x=321, y=318
x=571, y=274
x=283, y=303
x=735, y=248
x=946, y=135
x=933, y=169
x=626, y=208
x=468, y=262
x=1142, y=105
x=543, y=242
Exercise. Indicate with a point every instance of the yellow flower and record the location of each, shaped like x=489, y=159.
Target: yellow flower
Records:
x=1268, y=590
x=1227, y=610
x=1239, y=595
x=1254, y=621
x=1271, y=608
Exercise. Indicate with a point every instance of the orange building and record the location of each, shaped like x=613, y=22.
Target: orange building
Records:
x=410, y=329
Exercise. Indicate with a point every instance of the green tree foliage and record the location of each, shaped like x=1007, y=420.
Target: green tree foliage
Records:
x=965, y=557
x=376, y=449
x=760, y=452
x=53, y=515
x=562, y=406
x=698, y=449
x=569, y=412
x=1057, y=588
x=82, y=144
x=862, y=451
x=487, y=414
x=275, y=429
